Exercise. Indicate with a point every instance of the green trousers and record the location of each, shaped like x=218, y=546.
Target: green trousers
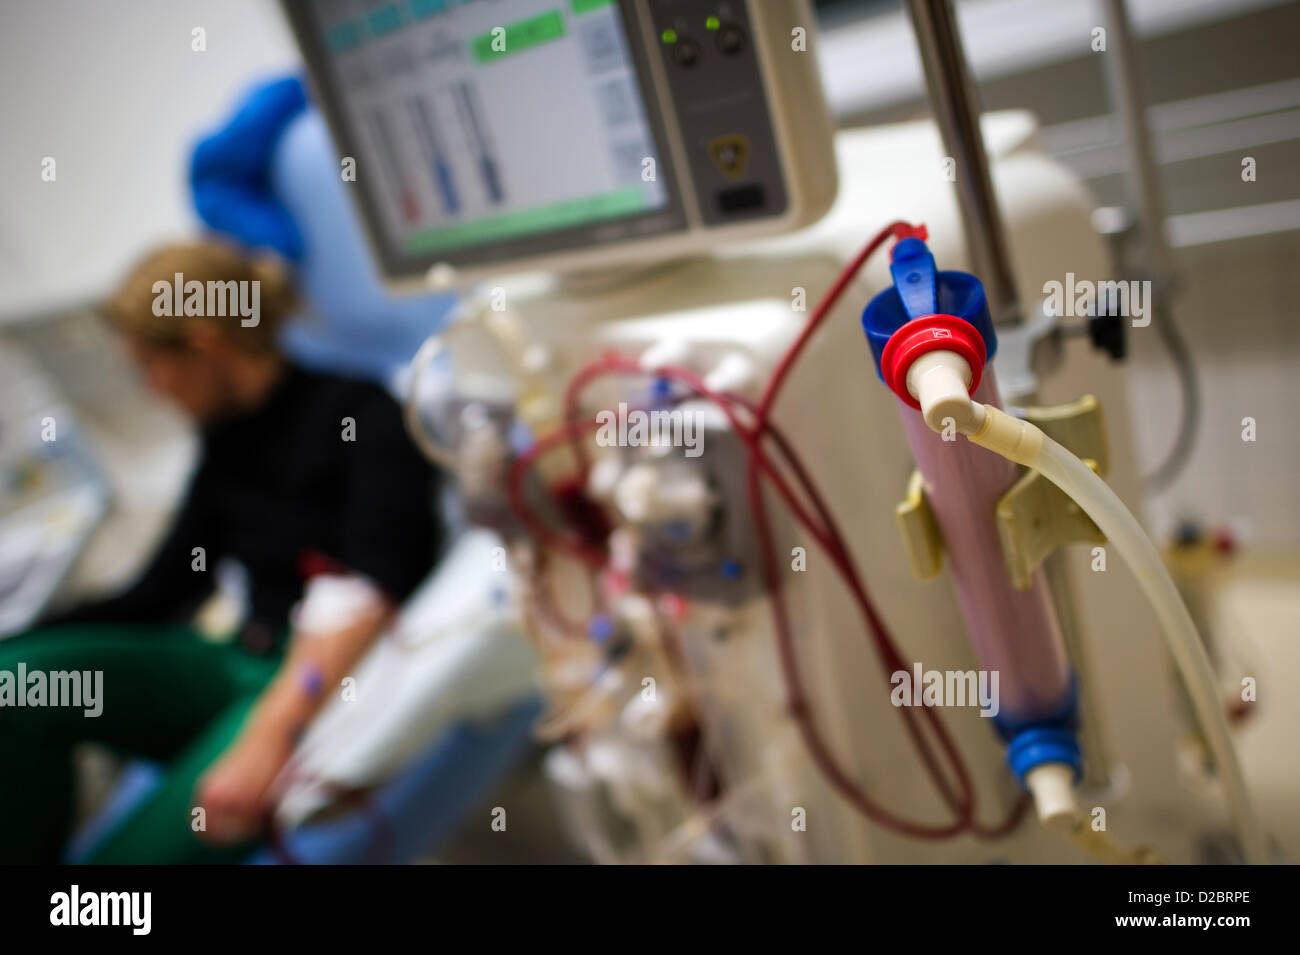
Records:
x=167, y=695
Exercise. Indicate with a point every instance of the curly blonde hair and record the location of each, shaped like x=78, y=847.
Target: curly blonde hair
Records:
x=133, y=306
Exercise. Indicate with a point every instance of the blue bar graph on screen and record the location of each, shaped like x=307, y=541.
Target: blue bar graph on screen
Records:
x=444, y=180
x=470, y=113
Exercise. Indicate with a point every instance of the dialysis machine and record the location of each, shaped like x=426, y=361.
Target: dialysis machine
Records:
x=781, y=614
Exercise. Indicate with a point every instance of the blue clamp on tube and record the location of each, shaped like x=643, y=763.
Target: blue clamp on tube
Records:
x=1034, y=747
x=912, y=266
x=1046, y=739
x=920, y=289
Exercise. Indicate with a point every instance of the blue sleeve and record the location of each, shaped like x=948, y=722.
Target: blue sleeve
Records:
x=230, y=171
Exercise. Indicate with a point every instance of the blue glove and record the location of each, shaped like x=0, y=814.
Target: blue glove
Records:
x=269, y=178
x=230, y=172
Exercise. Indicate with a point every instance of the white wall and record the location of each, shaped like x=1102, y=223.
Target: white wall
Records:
x=114, y=92
x=1236, y=310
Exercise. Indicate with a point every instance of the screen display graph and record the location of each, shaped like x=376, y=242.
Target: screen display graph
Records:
x=491, y=120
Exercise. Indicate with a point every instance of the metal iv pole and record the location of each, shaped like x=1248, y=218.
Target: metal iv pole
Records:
x=957, y=114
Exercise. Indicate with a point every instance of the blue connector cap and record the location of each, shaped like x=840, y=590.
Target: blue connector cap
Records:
x=1064, y=716
x=919, y=289
x=1044, y=738
x=661, y=389
x=1034, y=747
x=600, y=627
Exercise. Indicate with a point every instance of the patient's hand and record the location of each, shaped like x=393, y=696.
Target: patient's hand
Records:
x=235, y=791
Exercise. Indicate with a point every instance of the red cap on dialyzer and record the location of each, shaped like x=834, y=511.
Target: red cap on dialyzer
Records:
x=926, y=334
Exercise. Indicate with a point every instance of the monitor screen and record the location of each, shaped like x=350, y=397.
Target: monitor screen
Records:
x=487, y=130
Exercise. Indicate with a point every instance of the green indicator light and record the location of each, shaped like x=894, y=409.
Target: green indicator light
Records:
x=670, y=36
x=712, y=23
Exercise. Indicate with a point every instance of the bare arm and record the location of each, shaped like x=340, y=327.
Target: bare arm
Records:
x=235, y=792
x=313, y=670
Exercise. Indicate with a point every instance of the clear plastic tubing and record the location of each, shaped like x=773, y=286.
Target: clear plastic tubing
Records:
x=1012, y=631
x=1121, y=528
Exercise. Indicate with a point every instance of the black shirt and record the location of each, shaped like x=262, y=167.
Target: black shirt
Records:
x=322, y=473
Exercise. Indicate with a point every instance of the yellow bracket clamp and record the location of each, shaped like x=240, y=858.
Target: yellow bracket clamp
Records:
x=1101, y=846
x=1034, y=517
x=921, y=538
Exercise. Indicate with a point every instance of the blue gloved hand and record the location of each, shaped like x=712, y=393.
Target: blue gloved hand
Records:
x=230, y=172
x=269, y=178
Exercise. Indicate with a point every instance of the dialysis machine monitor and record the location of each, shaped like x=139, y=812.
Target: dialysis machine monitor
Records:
x=569, y=134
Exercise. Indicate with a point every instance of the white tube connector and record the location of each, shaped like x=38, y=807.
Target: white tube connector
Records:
x=1014, y=438
x=650, y=494
x=940, y=382
x=1052, y=786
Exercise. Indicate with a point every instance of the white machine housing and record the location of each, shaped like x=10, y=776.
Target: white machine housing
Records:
x=726, y=299
x=738, y=311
